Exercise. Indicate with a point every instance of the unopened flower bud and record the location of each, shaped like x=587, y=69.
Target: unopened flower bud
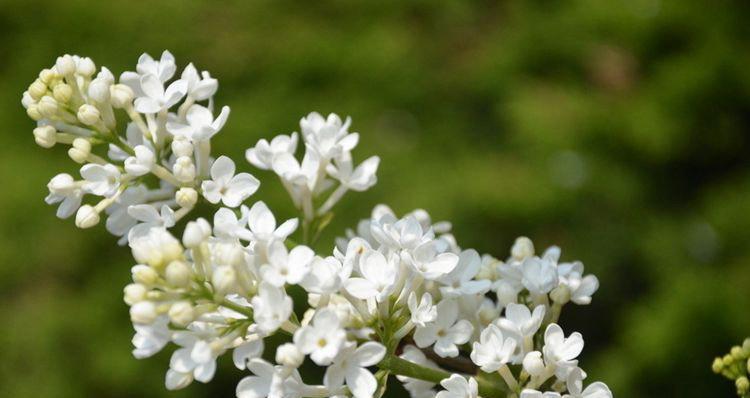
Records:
x=186, y=197
x=181, y=146
x=178, y=274
x=196, y=232
x=717, y=365
x=533, y=363
x=522, y=248
x=47, y=76
x=143, y=312
x=88, y=114
x=224, y=279
x=65, y=65
x=184, y=169
x=736, y=352
x=743, y=385
x=289, y=355
x=86, y=67
x=144, y=274
x=746, y=347
x=99, y=90
x=121, y=95
x=134, y=293
x=80, y=150
x=37, y=89
x=45, y=136
x=86, y=217
x=181, y=313
x=62, y=93
x=47, y=106
x=33, y=112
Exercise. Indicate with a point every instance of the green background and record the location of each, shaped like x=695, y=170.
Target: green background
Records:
x=615, y=129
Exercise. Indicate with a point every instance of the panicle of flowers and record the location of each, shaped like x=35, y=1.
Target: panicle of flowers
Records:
x=735, y=366
x=395, y=296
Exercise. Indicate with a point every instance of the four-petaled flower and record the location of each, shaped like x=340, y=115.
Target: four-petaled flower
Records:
x=225, y=186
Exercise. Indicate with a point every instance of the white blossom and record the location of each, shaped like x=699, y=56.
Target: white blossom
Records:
x=446, y=332
x=225, y=186
x=322, y=338
x=263, y=153
x=458, y=386
x=493, y=349
x=351, y=364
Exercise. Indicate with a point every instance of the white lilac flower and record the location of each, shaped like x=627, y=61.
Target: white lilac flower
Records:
x=142, y=162
x=457, y=386
x=328, y=137
x=417, y=388
x=559, y=351
x=422, y=312
x=150, y=217
x=358, y=179
x=198, y=354
x=151, y=338
x=271, y=307
x=579, y=288
x=119, y=222
x=63, y=189
x=403, y=234
x=445, y=332
x=539, y=275
x=286, y=266
x=460, y=281
x=247, y=351
x=351, y=364
x=225, y=186
x=575, y=387
x=200, y=87
x=263, y=153
x=529, y=393
x=270, y=381
x=326, y=276
x=164, y=69
x=201, y=125
x=322, y=338
x=101, y=180
x=429, y=260
x=379, y=277
x=493, y=349
x=228, y=226
x=521, y=322
x=304, y=174
x=155, y=98
x=262, y=224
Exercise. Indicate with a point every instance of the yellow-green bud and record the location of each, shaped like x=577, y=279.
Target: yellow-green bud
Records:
x=47, y=106
x=37, y=89
x=62, y=93
x=718, y=365
x=47, y=76
x=33, y=112
x=736, y=352
x=743, y=385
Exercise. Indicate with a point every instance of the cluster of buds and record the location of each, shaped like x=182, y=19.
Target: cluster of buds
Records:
x=396, y=296
x=735, y=366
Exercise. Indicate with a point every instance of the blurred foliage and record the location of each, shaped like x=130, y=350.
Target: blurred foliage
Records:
x=618, y=130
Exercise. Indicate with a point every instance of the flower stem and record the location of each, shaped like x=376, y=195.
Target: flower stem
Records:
x=402, y=367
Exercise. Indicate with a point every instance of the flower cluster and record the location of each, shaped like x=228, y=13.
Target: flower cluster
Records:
x=735, y=366
x=395, y=296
